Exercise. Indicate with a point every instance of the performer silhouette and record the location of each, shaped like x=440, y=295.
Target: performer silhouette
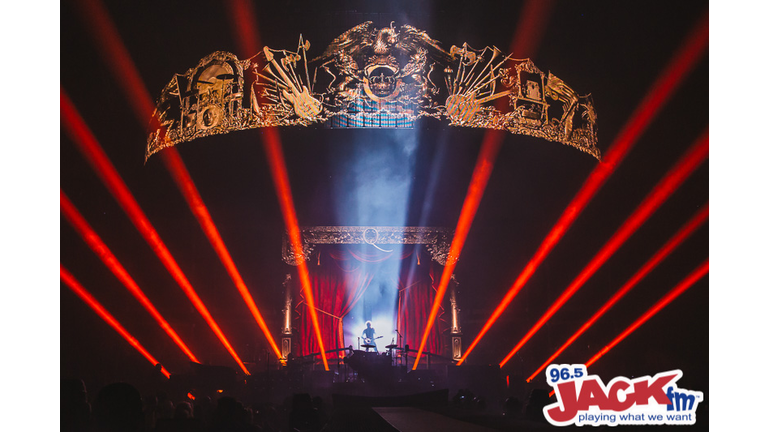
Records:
x=369, y=337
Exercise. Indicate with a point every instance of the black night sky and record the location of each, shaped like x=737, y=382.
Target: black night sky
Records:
x=613, y=50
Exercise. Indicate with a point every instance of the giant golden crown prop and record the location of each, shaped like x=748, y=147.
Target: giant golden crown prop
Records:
x=370, y=77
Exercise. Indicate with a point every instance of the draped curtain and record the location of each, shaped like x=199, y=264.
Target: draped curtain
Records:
x=417, y=289
x=339, y=279
x=336, y=288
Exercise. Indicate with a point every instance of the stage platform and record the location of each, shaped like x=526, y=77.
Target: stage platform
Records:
x=407, y=419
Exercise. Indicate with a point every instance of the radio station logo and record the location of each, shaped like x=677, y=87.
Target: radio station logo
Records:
x=584, y=399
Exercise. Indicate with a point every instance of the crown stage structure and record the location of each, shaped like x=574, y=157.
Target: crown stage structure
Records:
x=372, y=78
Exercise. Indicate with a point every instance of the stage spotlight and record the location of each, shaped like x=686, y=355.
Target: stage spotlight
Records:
x=669, y=184
x=685, y=58
x=689, y=228
x=94, y=154
x=84, y=295
x=108, y=258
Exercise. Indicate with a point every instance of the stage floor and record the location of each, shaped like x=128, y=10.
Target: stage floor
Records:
x=407, y=419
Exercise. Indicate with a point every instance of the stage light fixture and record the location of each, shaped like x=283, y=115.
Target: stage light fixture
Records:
x=91, y=149
x=685, y=58
x=689, y=228
x=84, y=295
x=669, y=184
x=274, y=151
x=87, y=233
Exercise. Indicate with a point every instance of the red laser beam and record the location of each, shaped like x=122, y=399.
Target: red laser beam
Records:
x=685, y=58
x=183, y=180
x=483, y=168
x=247, y=35
x=689, y=228
x=669, y=184
x=84, y=295
x=94, y=154
x=274, y=151
x=80, y=225
x=243, y=16
x=106, y=37
x=686, y=283
x=128, y=77
x=532, y=21
x=113, y=51
x=530, y=27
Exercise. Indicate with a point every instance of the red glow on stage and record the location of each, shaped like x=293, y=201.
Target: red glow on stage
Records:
x=674, y=178
x=274, y=150
x=686, y=283
x=183, y=180
x=686, y=57
x=692, y=225
x=97, y=245
x=90, y=148
x=81, y=292
x=191, y=396
x=483, y=168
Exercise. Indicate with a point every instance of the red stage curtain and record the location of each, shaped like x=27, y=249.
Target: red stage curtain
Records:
x=417, y=293
x=336, y=287
x=339, y=280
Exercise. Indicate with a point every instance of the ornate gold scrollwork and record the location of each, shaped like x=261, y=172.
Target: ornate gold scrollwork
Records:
x=368, y=73
x=436, y=240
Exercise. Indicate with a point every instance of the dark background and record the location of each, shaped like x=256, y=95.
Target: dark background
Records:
x=614, y=50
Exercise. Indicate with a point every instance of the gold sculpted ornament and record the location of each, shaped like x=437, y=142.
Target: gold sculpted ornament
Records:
x=366, y=76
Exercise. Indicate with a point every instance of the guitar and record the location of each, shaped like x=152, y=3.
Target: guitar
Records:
x=367, y=341
x=304, y=105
